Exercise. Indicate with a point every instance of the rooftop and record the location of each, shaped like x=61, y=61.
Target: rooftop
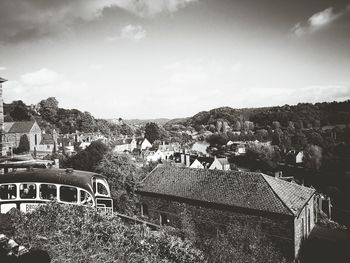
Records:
x=247, y=190
x=18, y=126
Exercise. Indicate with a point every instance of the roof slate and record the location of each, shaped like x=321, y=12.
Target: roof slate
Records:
x=248, y=190
x=21, y=127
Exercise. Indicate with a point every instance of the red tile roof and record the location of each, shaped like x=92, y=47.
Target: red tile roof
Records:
x=247, y=190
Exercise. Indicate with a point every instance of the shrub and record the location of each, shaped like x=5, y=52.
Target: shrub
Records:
x=78, y=234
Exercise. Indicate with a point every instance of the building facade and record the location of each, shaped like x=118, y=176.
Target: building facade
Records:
x=216, y=201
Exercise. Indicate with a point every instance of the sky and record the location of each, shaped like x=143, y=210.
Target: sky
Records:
x=174, y=58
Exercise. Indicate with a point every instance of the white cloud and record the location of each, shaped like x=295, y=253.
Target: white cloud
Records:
x=27, y=19
x=2, y=68
x=318, y=21
x=134, y=32
x=34, y=86
x=149, y=8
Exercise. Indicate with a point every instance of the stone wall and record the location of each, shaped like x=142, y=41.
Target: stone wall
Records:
x=202, y=223
x=303, y=224
x=2, y=151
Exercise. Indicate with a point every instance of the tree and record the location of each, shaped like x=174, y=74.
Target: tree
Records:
x=88, y=159
x=20, y=111
x=48, y=109
x=23, y=145
x=313, y=157
x=122, y=175
x=88, y=122
x=152, y=132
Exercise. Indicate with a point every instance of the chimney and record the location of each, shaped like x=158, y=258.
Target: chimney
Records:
x=187, y=160
x=3, y=150
x=183, y=158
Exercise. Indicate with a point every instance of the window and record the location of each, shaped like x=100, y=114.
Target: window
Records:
x=27, y=191
x=68, y=194
x=8, y=192
x=36, y=139
x=164, y=219
x=48, y=191
x=144, y=210
x=85, y=198
x=101, y=189
x=308, y=220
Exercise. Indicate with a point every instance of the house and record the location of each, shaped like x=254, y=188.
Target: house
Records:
x=295, y=157
x=215, y=201
x=200, y=147
x=66, y=143
x=153, y=156
x=143, y=144
x=125, y=145
x=224, y=164
x=13, y=131
x=167, y=150
x=196, y=164
x=47, y=144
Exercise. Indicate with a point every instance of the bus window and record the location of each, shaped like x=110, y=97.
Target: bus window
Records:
x=85, y=198
x=68, y=194
x=101, y=189
x=8, y=192
x=48, y=191
x=94, y=185
x=27, y=191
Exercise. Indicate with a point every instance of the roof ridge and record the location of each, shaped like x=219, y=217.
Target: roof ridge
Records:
x=273, y=190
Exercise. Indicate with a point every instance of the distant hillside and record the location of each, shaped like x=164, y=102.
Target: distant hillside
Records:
x=326, y=113
x=49, y=116
x=160, y=121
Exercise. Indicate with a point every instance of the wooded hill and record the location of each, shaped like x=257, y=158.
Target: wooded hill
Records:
x=306, y=114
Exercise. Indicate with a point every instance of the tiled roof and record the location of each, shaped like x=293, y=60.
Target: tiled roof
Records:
x=232, y=188
x=7, y=126
x=294, y=196
x=21, y=127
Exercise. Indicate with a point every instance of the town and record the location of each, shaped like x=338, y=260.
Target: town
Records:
x=174, y=131
x=208, y=179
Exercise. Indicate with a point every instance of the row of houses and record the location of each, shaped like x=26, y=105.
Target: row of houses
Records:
x=42, y=143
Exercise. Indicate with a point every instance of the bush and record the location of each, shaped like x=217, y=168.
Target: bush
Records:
x=78, y=234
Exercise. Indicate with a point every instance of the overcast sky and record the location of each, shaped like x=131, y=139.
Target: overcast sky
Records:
x=173, y=58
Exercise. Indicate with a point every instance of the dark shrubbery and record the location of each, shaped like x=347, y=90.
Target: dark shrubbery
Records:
x=77, y=234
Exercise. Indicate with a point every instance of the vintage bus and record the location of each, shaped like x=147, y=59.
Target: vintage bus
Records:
x=27, y=189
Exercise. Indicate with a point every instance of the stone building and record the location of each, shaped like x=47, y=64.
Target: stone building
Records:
x=2, y=149
x=14, y=130
x=215, y=200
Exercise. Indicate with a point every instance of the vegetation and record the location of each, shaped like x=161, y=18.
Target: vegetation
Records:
x=122, y=176
x=89, y=158
x=79, y=234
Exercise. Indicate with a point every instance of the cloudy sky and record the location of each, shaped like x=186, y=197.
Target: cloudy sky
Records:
x=173, y=58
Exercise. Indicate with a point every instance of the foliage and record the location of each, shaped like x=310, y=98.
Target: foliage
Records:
x=152, y=132
x=78, y=234
x=265, y=156
x=87, y=159
x=313, y=157
x=122, y=175
x=48, y=109
x=23, y=146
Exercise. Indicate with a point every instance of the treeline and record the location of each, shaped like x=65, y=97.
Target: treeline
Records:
x=307, y=115
x=49, y=116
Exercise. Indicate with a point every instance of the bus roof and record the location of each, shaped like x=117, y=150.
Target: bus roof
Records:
x=71, y=177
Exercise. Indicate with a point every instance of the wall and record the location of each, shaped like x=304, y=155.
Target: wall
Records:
x=206, y=222
x=301, y=228
x=2, y=149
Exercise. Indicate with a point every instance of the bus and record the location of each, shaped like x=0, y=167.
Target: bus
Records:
x=25, y=190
